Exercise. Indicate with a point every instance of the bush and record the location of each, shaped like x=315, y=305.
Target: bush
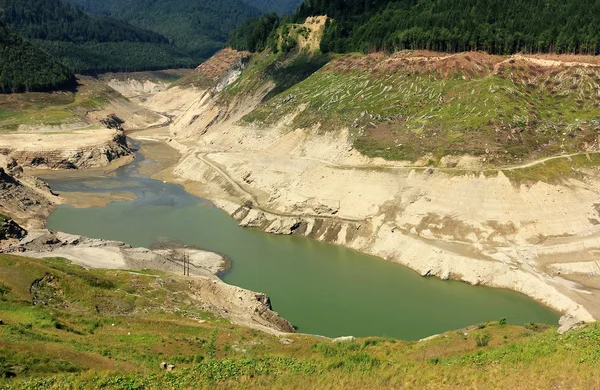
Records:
x=212, y=344
x=482, y=339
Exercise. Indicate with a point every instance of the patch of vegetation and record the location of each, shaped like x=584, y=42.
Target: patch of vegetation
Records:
x=555, y=170
x=399, y=110
x=499, y=27
x=482, y=339
x=82, y=345
x=282, y=70
x=59, y=107
x=24, y=67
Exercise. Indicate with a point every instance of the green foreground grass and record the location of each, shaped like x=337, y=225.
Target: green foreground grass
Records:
x=111, y=329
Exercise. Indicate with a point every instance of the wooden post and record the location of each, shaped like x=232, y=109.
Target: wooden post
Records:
x=186, y=264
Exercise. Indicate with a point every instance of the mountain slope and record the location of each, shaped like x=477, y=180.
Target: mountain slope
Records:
x=498, y=27
x=24, y=67
x=199, y=28
x=85, y=43
x=281, y=7
x=54, y=20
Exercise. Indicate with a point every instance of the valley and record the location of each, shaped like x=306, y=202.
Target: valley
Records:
x=325, y=202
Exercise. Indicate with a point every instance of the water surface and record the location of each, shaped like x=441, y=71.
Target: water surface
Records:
x=320, y=288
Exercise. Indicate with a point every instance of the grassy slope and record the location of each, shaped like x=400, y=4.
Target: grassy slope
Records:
x=111, y=329
x=53, y=108
x=408, y=110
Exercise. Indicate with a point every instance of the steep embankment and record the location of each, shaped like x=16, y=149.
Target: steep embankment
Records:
x=70, y=130
x=25, y=198
x=81, y=149
x=464, y=198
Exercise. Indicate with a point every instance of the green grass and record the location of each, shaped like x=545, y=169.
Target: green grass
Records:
x=53, y=109
x=516, y=115
x=74, y=341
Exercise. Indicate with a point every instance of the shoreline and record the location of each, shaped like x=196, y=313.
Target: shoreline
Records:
x=479, y=272
x=426, y=257
x=439, y=262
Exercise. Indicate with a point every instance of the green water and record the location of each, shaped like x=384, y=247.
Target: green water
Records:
x=320, y=288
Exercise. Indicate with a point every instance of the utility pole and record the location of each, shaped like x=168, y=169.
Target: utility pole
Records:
x=186, y=264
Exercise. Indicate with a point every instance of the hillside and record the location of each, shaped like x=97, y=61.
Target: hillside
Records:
x=89, y=44
x=199, y=28
x=63, y=326
x=281, y=7
x=428, y=106
x=498, y=27
x=24, y=67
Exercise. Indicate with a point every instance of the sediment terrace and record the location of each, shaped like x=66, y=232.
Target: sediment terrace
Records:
x=516, y=226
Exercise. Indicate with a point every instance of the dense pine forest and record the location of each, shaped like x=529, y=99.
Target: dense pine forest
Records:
x=280, y=7
x=498, y=27
x=197, y=27
x=56, y=21
x=256, y=34
x=24, y=67
x=88, y=44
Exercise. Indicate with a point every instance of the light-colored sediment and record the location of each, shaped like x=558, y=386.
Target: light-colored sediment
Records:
x=240, y=306
x=99, y=199
x=77, y=149
x=479, y=229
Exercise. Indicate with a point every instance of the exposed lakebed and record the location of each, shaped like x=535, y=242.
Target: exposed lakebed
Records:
x=320, y=288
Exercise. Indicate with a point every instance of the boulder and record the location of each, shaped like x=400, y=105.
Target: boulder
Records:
x=343, y=339
x=568, y=322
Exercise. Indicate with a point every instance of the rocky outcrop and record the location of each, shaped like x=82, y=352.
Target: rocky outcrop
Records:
x=11, y=230
x=59, y=156
x=25, y=198
x=567, y=323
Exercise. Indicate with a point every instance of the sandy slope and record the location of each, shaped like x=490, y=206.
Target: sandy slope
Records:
x=479, y=229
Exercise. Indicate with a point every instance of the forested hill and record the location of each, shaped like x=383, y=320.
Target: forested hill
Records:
x=87, y=43
x=197, y=27
x=24, y=67
x=56, y=21
x=495, y=26
x=281, y=7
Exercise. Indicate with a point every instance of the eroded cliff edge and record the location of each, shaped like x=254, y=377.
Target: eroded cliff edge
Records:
x=461, y=218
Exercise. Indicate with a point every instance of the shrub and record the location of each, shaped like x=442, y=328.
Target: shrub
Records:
x=482, y=339
x=212, y=344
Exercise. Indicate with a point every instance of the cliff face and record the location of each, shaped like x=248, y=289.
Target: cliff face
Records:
x=26, y=199
x=77, y=150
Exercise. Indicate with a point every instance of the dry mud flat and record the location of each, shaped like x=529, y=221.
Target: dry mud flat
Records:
x=539, y=239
